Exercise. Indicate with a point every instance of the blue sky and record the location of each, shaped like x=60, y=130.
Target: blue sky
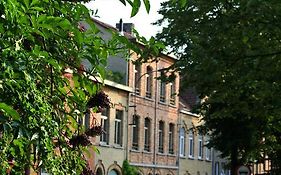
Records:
x=110, y=11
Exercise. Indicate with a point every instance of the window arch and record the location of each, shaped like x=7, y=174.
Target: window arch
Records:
x=99, y=171
x=113, y=172
x=149, y=79
x=147, y=132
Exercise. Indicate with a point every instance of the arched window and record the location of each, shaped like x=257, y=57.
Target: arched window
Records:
x=191, y=143
x=137, y=78
x=149, y=79
x=182, y=142
x=135, y=144
x=113, y=172
x=161, y=137
x=171, y=138
x=147, y=131
x=99, y=171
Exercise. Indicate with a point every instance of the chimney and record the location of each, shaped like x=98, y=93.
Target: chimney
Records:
x=125, y=27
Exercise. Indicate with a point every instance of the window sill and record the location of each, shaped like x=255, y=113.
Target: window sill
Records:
x=208, y=160
x=172, y=155
x=182, y=156
x=135, y=151
x=104, y=144
x=191, y=157
x=118, y=146
x=200, y=158
x=147, y=152
x=172, y=105
x=162, y=103
x=149, y=99
x=161, y=154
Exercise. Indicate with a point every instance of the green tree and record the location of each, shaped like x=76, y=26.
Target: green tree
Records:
x=230, y=52
x=40, y=103
x=128, y=169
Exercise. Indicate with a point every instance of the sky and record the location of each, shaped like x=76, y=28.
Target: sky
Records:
x=110, y=12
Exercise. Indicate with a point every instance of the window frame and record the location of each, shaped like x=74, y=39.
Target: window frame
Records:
x=171, y=138
x=200, y=147
x=147, y=131
x=137, y=78
x=190, y=144
x=104, y=137
x=135, y=132
x=182, y=142
x=149, y=82
x=161, y=136
x=118, y=127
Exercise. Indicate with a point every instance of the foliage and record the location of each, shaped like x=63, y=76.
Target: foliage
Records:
x=40, y=101
x=128, y=169
x=230, y=52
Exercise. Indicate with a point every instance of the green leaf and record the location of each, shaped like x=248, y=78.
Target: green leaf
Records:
x=135, y=7
x=123, y=2
x=10, y=111
x=147, y=5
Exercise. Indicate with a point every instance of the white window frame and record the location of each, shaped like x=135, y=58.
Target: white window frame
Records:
x=147, y=134
x=208, y=152
x=200, y=147
x=135, y=127
x=104, y=137
x=182, y=142
x=118, y=128
x=171, y=138
x=161, y=137
x=191, y=144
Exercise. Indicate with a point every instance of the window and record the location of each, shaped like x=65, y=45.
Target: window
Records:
x=161, y=137
x=137, y=78
x=182, y=142
x=200, y=146
x=147, y=134
x=99, y=171
x=172, y=93
x=113, y=172
x=217, y=168
x=135, y=144
x=208, y=151
x=104, y=138
x=191, y=144
x=162, y=89
x=118, y=127
x=171, y=138
x=148, y=81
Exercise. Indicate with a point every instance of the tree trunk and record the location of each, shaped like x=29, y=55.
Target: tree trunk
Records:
x=234, y=160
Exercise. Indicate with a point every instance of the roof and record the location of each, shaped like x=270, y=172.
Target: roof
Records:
x=126, y=34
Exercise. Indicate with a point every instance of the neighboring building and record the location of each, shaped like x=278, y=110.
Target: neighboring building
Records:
x=194, y=157
x=112, y=143
x=145, y=124
x=153, y=118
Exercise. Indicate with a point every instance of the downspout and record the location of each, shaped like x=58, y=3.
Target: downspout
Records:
x=155, y=118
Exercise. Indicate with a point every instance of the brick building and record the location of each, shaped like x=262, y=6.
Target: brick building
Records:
x=153, y=114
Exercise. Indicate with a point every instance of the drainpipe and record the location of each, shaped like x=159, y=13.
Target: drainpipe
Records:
x=155, y=118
